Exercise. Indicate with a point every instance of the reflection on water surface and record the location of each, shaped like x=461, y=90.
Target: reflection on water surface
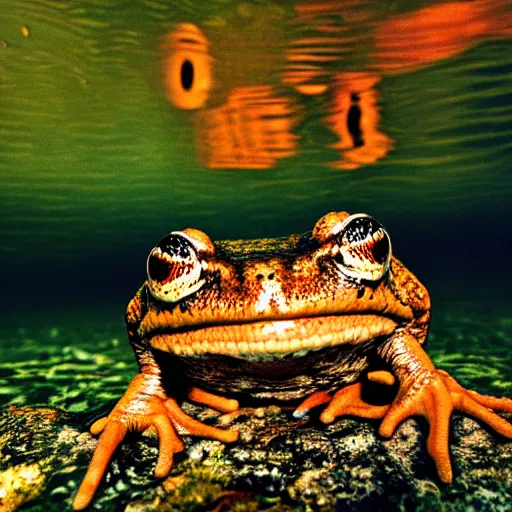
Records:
x=121, y=122
x=340, y=51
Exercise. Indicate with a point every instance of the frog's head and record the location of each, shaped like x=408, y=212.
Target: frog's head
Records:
x=337, y=284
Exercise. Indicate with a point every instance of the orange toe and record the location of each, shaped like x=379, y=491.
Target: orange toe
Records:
x=187, y=426
x=98, y=426
x=169, y=444
x=137, y=412
x=479, y=406
x=382, y=377
x=435, y=395
x=348, y=402
x=112, y=436
x=430, y=398
x=316, y=399
x=217, y=402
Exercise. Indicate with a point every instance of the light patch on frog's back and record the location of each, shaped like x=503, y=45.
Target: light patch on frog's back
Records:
x=272, y=337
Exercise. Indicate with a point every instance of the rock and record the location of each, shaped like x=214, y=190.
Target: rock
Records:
x=279, y=464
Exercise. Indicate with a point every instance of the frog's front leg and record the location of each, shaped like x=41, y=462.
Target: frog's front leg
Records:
x=432, y=393
x=423, y=391
x=145, y=404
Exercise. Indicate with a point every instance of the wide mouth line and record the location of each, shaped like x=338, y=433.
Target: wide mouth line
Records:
x=161, y=327
x=280, y=336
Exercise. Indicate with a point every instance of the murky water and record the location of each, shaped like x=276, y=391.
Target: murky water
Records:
x=122, y=121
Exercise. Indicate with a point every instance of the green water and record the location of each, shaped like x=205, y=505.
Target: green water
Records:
x=97, y=164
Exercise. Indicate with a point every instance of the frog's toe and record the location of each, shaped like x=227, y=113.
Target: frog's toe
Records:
x=217, y=402
x=479, y=406
x=187, y=426
x=315, y=400
x=382, y=377
x=348, y=402
x=114, y=428
x=169, y=444
x=429, y=398
x=436, y=397
x=98, y=426
x=110, y=439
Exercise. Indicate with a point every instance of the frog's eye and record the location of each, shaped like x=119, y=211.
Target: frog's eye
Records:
x=187, y=67
x=363, y=248
x=174, y=270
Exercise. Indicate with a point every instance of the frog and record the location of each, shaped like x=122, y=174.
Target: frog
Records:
x=308, y=320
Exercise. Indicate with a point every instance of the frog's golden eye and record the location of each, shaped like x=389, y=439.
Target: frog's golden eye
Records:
x=187, y=67
x=174, y=269
x=363, y=249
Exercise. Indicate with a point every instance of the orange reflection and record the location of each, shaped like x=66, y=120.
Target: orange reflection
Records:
x=253, y=130
x=412, y=40
x=333, y=31
x=187, y=67
x=338, y=39
x=339, y=50
x=355, y=119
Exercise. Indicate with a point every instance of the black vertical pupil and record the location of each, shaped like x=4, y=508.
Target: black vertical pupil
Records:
x=187, y=75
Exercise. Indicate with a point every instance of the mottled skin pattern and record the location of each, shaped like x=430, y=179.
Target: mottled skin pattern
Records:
x=300, y=318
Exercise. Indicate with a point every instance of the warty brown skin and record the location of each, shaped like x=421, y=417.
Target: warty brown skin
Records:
x=298, y=318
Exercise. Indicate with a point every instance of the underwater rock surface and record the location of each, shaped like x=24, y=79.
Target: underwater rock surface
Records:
x=279, y=464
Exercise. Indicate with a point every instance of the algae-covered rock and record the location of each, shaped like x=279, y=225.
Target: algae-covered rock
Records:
x=279, y=464
x=34, y=446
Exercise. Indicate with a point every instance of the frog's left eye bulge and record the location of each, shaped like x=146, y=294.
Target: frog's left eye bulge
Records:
x=174, y=269
x=364, y=248
x=187, y=67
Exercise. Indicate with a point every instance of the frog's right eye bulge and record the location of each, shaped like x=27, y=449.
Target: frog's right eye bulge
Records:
x=174, y=270
x=364, y=248
x=187, y=67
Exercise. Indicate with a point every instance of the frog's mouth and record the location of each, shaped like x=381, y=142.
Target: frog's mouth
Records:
x=267, y=337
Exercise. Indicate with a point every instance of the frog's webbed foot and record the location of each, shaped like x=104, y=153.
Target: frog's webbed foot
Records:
x=432, y=394
x=136, y=412
x=435, y=397
x=114, y=428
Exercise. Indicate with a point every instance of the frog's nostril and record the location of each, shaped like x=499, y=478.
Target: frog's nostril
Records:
x=158, y=270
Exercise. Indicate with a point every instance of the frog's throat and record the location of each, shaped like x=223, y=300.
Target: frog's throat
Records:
x=273, y=336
